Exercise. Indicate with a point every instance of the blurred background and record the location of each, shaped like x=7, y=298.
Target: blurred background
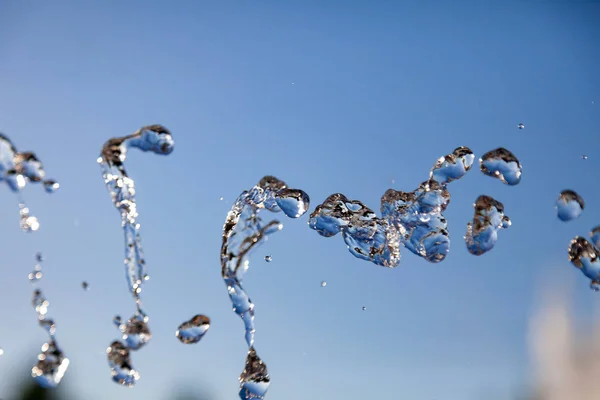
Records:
x=329, y=96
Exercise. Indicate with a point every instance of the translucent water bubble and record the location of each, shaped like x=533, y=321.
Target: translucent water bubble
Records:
x=501, y=164
x=323, y=284
x=136, y=332
x=364, y=308
x=51, y=186
x=569, y=205
x=84, y=285
x=584, y=157
x=192, y=331
x=521, y=126
x=268, y=258
x=489, y=218
x=452, y=166
x=293, y=202
x=595, y=235
x=119, y=362
x=50, y=367
x=255, y=380
x=585, y=257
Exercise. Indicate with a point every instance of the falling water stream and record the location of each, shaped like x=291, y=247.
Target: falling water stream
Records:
x=135, y=331
x=243, y=231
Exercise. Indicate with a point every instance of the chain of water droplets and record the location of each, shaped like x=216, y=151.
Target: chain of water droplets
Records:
x=135, y=332
x=52, y=363
x=243, y=231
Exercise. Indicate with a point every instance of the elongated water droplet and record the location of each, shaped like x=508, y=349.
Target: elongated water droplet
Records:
x=268, y=258
x=453, y=166
x=489, y=218
x=192, y=331
x=119, y=362
x=255, y=380
x=501, y=164
x=569, y=205
x=51, y=186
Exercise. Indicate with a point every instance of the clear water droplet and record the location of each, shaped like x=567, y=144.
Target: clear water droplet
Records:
x=117, y=321
x=521, y=126
x=364, y=308
x=569, y=205
x=323, y=284
x=50, y=367
x=40, y=303
x=84, y=285
x=254, y=380
x=36, y=274
x=452, y=166
x=293, y=202
x=268, y=258
x=503, y=165
x=120, y=365
x=39, y=257
x=595, y=236
x=220, y=198
x=192, y=331
x=51, y=186
x=584, y=157
x=584, y=256
x=482, y=232
x=136, y=332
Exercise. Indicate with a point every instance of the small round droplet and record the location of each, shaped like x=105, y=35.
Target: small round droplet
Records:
x=51, y=186
x=323, y=284
x=84, y=285
x=584, y=157
x=521, y=126
x=220, y=198
x=595, y=286
x=364, y=308
x=569, y=205
x=268, y=258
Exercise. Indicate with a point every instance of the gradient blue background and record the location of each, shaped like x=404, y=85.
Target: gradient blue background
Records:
x=330, y=97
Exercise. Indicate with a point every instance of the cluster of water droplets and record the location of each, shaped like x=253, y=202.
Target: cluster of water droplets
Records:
x=52, y=364
x=412, y=218
x=569, y=205
x=482, y=232
x=243, y=231
x=135, y=331
x=17, y=169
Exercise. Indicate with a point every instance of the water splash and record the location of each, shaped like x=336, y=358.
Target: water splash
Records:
x=255, y=380
x=482, y=232
x=52, y=363
x=412, y=218
x=584, y=256
x=243, y=231
x=17, y=169
x=501, y=164
x=192, y=331
x=569, y=205
x=135, y=332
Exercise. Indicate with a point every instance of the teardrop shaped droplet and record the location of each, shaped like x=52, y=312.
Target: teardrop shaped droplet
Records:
x=255, y=380
x=293, y=202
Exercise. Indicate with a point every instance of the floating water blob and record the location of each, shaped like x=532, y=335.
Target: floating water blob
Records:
x=136, y=333
x=243, y=231
x=585, y=257
x=482, y=232
x=595, y=235
x=364, y=308
x=569, y=205
x=323, y=284
x=17, y=169
x=268, y=258
x=192, y=331
x=84, y=285
x=52, y=363
x=501, y=164
x=521, y=126
x=584, y=157
x=412, y=218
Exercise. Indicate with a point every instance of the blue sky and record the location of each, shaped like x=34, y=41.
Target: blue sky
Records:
x=330, y=97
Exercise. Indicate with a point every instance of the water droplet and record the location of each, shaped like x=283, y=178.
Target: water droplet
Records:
x=521, y=126
x=84, y=285
x=39, y=257
x=51, y=186
x=482, y=232
x=51, y=366
x=48, y=325
x=569, y=205
x=255, y=380
x=192, y=331
x=136, y=332
x=364, y=308
x=29, y=223
x=293, y=202
x=452, y=166
x=220, y=198
x=584, y=256
x=595, y=235
x=584, y=157
x=323, y=284
x=117, y=321
x=119, y=362
x=268, y=258
x=1, y=351
x=501, y=164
